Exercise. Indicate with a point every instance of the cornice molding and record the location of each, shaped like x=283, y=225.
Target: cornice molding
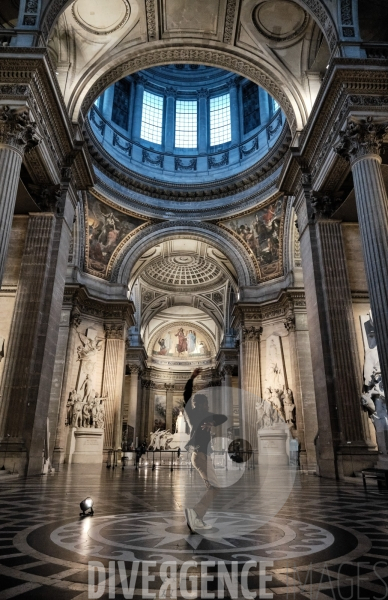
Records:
x=354, y=88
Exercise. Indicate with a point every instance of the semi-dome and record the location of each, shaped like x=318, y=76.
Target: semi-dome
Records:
x=182, y=271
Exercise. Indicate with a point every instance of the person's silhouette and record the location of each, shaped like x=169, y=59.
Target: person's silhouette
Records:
x=200, y=421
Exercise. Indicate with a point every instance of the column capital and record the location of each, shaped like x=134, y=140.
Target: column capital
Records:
x=227, y=370
x=289, y=321
x=169, y=386
x=361, y=137
x=17, y=130
x=75, y=318
x=203, y=93
x=171, y=92
x=324, y=206
x=114, y=331
x=250, y=334
x=134, y=369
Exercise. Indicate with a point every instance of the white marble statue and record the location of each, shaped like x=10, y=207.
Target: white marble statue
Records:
x=373, y=397
x=160, y=440
x=289, y=406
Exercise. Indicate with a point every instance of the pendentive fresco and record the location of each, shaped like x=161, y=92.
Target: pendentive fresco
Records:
x=262, y=232
x=106, y=229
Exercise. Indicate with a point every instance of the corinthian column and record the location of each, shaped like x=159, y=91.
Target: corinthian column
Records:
x=361, y=144
x=17, y=134
x=113, y=382
x=133, y=419
x=250, y=381
x=227, y=395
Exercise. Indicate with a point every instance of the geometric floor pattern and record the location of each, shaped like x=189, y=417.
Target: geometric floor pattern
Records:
x=328, y=539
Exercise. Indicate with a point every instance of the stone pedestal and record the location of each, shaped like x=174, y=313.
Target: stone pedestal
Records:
x=88, y=446
x=272, y=446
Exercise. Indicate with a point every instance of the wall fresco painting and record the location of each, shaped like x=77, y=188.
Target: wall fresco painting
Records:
x=106, y=229
x=262, y=231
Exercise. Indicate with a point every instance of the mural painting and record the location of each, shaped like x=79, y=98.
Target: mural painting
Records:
x=106, y=229
x=181, y=342
x=262, y=231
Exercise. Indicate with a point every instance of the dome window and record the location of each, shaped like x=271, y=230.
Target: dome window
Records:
x=186, y=124
x=152, y=118
x=220, y=126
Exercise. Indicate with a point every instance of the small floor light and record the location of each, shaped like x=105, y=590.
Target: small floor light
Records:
x=86, y=505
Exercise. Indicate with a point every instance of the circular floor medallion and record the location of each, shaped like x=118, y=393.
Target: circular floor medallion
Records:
x=234, y=536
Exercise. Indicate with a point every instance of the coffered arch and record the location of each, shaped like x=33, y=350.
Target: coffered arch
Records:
x=225, y=242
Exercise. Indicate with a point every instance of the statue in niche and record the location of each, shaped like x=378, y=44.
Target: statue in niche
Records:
x=373, y=397
x=289, y=406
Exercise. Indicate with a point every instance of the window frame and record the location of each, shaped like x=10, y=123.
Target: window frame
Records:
x=162, y=118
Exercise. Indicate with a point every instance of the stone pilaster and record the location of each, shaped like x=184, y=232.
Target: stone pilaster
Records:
x=290, y=325
x=247, y=320
x=336, y=368
x=113, y=382
x=17, y=135
x=28, y=368
x=361, y=144
x=59, y=451
x=145, y=408
x=134, y=393
x=169, y=387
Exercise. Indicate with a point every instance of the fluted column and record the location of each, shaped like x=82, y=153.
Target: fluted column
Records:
x=227, y=395
x=62, y=430
x=146, y=387
x=17, y=135
x=361, y=144
x=134, y=400
x=169, y=387
x=250, y=381
x=112, y=383
x=28, y=368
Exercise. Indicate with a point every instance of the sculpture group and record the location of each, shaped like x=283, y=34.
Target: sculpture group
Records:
x=277, y=406
x=160, y=440
x=86, y=410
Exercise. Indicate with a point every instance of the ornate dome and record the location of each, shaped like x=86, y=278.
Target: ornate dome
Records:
x=182, y=271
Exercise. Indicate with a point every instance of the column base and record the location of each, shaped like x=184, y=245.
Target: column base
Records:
x=351, y=460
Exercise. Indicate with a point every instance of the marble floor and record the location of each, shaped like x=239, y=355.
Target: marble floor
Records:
x=275, y=533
